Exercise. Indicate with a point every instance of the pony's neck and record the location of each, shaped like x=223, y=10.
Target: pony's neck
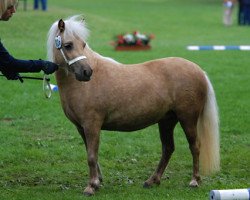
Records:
x=91, y=55
x=95, y=58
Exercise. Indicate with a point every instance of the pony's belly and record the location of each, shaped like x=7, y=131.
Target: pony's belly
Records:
x=125, y=127
x=131, y=123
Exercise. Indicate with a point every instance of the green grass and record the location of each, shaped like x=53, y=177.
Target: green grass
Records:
x=41, y=154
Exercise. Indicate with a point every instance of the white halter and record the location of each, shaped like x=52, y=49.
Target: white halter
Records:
x=58, y=44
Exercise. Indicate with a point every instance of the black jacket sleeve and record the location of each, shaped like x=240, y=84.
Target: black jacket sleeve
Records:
x=10, y=64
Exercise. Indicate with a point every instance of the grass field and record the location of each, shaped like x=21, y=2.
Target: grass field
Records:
x=43, y=157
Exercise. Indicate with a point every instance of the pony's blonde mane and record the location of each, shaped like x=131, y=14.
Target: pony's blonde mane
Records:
x=74, y=25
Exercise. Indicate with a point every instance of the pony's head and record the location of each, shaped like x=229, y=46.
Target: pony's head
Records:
x=65, y=45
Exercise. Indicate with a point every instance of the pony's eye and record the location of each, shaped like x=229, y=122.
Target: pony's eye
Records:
x=68, y=46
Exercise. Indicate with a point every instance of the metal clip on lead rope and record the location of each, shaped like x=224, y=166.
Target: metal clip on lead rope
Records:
x=46, y=86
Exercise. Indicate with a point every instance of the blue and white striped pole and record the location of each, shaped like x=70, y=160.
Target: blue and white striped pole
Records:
x=235, y=194
x=219, y=48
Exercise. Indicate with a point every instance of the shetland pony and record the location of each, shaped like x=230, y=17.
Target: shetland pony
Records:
x=97, y=93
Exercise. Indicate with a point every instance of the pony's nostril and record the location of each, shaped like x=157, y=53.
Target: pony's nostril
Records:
x=87, y=73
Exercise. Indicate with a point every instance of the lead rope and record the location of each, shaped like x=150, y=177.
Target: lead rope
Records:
x=46, y=85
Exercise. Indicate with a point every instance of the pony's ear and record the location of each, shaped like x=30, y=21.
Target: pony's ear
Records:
x=61, y=25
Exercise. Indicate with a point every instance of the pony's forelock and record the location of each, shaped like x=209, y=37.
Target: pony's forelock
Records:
x=74, y=25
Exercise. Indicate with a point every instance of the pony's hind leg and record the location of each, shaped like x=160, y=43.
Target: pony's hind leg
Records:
x=166, y=128
x=190, y=128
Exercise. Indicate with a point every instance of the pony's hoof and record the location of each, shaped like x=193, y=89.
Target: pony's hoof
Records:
x=193, y=183
x=100, y=179
x=86, y=194
x=147, y=185
x=89, y=191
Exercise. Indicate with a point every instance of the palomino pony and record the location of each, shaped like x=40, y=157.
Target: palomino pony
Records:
x=98, y=93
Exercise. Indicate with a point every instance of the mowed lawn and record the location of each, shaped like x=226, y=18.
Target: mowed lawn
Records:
x=43, y=157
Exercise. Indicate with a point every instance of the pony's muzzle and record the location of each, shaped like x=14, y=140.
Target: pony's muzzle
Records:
x=84, y=74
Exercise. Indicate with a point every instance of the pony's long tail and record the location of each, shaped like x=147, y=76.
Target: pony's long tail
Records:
x=208, y=133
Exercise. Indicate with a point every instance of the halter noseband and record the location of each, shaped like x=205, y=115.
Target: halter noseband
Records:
x=58, y=44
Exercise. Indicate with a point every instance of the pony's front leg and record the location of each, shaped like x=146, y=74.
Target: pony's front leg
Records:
x=81, y=131
x=92, y=138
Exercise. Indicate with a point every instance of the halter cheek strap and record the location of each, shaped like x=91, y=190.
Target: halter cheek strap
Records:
x=58, y=44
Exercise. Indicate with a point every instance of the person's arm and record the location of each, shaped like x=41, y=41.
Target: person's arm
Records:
x=9, y=64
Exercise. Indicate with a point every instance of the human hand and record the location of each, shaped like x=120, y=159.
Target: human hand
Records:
x=10, y=75
x=49, y=67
